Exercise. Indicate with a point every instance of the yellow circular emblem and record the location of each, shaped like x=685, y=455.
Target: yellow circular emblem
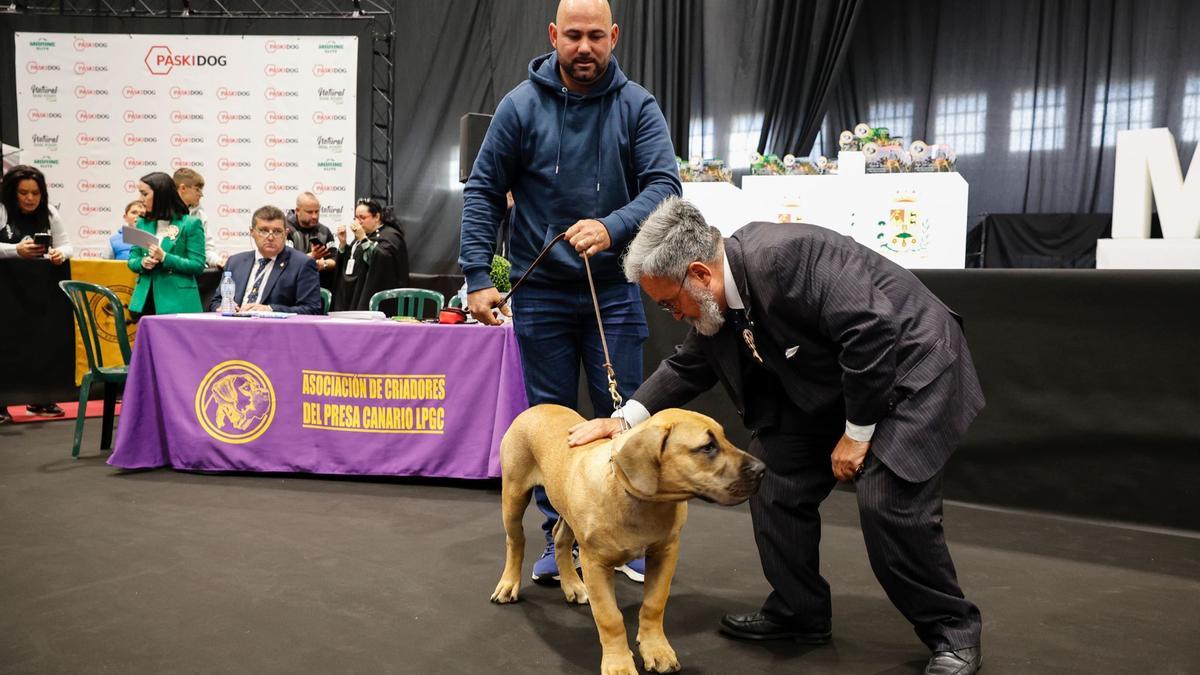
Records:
x=235, y=402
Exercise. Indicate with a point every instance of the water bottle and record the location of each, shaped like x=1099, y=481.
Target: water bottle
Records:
x=228, y=288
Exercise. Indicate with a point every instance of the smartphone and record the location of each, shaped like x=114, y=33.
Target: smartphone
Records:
x=43, y=239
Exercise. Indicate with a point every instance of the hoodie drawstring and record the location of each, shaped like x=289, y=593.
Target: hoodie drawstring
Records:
x=562, y=129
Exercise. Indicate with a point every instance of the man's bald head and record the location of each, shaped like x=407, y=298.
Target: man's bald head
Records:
x=583, y=36
x=308, y=210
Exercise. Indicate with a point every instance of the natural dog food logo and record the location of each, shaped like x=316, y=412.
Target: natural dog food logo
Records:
x=272, y=117
x=45, y=141
x=33, y=67
x=84, y=92
x=332, y=212
x=330, y=143
x=225, y=93
x=160, y=60
x=235, y=402
x=329, y=165
x=328, y=94
x=89, y=116
x=93, y=162
x=44, y=91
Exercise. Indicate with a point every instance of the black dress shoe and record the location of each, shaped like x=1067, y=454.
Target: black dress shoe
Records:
x=756, y=626
x=965, y=661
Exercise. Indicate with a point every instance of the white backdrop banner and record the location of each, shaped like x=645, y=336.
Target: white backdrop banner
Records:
x=261, y=118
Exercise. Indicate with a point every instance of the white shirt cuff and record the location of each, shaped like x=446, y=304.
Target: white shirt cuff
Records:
x=633, y=413
x=859, y=433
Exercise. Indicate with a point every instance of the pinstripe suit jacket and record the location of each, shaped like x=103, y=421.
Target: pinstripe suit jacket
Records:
x=847, y=332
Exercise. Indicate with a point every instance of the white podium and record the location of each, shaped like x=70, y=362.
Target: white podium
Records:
x=918, y=220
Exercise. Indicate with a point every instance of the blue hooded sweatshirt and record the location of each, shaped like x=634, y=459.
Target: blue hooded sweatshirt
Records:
x=566, y=157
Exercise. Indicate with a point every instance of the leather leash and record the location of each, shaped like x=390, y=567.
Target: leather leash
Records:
x=608, y=367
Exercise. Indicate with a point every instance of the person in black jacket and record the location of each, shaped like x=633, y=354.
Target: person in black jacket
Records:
x=376, y=259
x=846, y=368
x=307, y=235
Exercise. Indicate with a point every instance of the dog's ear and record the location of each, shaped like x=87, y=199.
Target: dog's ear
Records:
x=639, y=456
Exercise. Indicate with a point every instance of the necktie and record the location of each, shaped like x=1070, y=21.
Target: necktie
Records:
x=256, y=280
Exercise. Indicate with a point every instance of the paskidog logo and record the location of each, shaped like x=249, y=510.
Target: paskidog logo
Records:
x=274, y=188
x=225, y=117
x=133, y=92
x=225, y=234
x=179, y=117
x=45, y=141
x=178, y=140
x=180, y=92
x=329, y=165
x=225, y=93
x=136, y=163
x=225, y=211
x=160, y=60
x=272, y=117
x=274, y=94
x=272, y=140
x=82, y=45
x=134, y=139
x=272, y=164
x=225, y=140
x=329, y=94
x=136, y=116
x=88, y=116
x=179, y=163
x=273, y=46
x=273, y=69
x=86, y=209
x=82, y=68
x=36, y=115
x=326, y=188
x=44, y=91
x=84, y=92
x=320, y=70
x=95, y=253
x=225, y=187
x=92, y=162
x=322, y=117
x=226, y=164
x=56, y=185
x=34, y=67
x=86, y=231
x=88, y=139
x=235, y=402
x=87, y=186
x=130, y=186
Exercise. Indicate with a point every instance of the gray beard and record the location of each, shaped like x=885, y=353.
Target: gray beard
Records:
x=710, y=320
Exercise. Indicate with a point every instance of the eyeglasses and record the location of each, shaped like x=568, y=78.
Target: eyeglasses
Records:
x=268, y=234
x=669, y=305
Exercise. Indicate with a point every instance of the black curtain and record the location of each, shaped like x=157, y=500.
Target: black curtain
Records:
x=808, y=43
x=1057, y=79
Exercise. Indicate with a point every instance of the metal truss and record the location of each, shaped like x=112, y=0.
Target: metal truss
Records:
x=382, y=47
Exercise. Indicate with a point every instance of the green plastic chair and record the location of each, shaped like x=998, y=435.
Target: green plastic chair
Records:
x=455, y=301
x=86, y=299
x=326, y=300
x=409, y=301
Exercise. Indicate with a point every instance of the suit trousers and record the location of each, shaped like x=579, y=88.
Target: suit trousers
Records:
x=901, y=525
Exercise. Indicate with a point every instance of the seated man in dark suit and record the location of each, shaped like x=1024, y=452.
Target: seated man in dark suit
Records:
x=273, y=277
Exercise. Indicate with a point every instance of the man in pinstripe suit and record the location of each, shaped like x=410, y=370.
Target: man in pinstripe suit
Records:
x=844, y=367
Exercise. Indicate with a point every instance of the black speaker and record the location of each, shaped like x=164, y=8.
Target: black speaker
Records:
x=471, y=130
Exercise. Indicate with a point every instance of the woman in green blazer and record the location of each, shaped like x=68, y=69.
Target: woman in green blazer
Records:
x=167, y=272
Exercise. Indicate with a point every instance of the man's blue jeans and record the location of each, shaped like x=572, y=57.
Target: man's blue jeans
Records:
x=556, y=330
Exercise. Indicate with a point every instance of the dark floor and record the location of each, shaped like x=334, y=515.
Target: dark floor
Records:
x=165, y=572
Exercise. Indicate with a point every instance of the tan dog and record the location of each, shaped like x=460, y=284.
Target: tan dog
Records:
x=619, y=499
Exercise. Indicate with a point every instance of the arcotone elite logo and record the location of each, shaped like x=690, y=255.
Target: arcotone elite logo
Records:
x=235, y=402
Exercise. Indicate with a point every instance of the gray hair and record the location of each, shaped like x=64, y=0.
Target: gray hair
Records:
x=672, y=237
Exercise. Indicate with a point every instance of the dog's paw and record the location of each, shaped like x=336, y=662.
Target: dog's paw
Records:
x=506, y=592
x=658, y=657
x=576, y=594
x=618, y=664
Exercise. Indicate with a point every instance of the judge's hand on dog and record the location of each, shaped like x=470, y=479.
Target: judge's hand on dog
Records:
x=593, y=430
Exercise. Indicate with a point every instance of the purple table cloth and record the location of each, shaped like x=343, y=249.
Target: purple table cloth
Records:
x=319, y=395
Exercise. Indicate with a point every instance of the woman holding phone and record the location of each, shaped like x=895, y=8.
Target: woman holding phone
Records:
x=30, y=227
x=166, y=271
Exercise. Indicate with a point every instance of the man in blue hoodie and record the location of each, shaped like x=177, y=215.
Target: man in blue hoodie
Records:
x=584, y=151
